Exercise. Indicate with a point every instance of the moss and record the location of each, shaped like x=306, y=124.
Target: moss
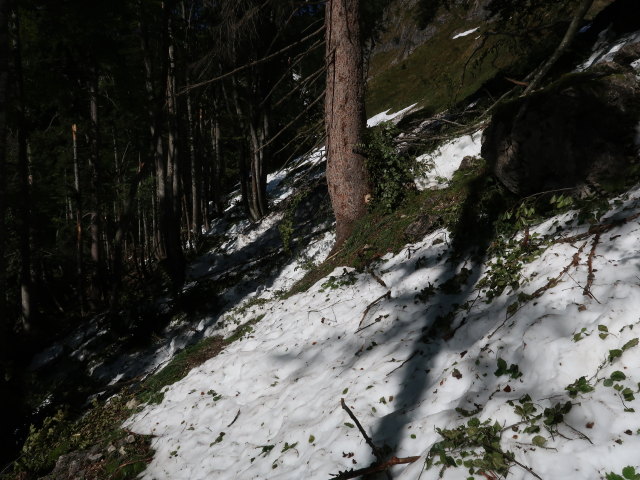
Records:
x=244, y=329
x=443, y=72
x=178, y=367
x=467, y=205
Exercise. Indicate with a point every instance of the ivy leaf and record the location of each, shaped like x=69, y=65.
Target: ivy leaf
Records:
x=617, y=376
x=539, y=441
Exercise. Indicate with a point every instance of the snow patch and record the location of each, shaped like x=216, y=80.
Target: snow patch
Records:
x=446, y=160
x=386, y=116
x=464, y=34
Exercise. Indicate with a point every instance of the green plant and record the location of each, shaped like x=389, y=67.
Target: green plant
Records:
x=333, y=283
x=474, y=445
x=513, y=370
x=391, y=173
x=628, y=473
x=581, y=385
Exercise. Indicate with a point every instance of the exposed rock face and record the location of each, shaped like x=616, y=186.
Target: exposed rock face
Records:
x=580, y=129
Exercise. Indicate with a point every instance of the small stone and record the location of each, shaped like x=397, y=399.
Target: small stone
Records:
x=111, y=449
x=131, y=404
x=130, y=439
x=95, y=457
x=122, y=451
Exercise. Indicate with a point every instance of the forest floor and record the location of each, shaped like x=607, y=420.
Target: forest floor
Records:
x=517, y=358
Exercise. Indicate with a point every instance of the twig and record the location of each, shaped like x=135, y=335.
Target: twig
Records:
x=234, y=419
x=376, y=451
x=377, y=278
x=248, y=65
x=145, y=460
x=582, y=435
x=575, y=260
x=366, y=310
x=591, y=276
x=405, y=362
x=375, y=468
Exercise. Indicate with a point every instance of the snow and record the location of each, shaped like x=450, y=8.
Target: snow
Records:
x=268, y=406
x=606, y=48
x=464, y=34
x=446, y=160
x=386, y=116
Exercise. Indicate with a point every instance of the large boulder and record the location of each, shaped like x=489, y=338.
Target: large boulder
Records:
x=581, y=129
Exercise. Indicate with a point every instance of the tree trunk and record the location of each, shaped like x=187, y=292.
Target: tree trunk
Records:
x=5, y=326
x=78, y=198
x=26, y=283
x=569, y=35
x=345, y=122
x=218, y=162
x=95, y=226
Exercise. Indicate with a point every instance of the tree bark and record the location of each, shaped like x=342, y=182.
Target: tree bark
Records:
x=5, y=325
x=24, y=208
x=95, y=226
x=345, y=122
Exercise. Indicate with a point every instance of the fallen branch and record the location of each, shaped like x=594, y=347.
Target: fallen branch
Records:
x=376, y=451
x=234, y=419
x=366, y=310
x=374, y=468
x=591, y=276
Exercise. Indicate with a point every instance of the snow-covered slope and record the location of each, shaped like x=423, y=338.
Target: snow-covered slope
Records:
x=552, y=367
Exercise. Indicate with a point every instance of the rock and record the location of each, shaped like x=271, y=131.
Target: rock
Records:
x=131, y=404
x=111, y=449
x=469, y=163
x=130, y=439
x=420, y=227
x=627, y=54
x=581, y=129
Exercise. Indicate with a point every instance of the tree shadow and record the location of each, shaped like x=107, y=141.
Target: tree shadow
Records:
x=471, y=237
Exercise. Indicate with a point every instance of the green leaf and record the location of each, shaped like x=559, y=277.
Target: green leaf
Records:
x=312, y=439
x=350, y=425
x=630, y=344
x=615, y=353
x=344, y=392
x=617, y=376
x=629, y=473
x=603, y=328
x=607, y=382
x=539, y=441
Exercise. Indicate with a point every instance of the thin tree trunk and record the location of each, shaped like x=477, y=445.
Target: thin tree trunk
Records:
x=26, y=283
x=95, y=227
x=218, y=162
x=5, y=326
x=78, y=197
x=347, y=176
x=569, y=35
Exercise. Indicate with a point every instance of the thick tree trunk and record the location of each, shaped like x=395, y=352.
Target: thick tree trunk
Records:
x=168, y=248
x=175, y=261
x=345, y=122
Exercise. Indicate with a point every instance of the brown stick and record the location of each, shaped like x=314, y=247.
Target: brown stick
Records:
x=591, y=276
x=376, y=451
x=366, y=310
x=375, y=468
